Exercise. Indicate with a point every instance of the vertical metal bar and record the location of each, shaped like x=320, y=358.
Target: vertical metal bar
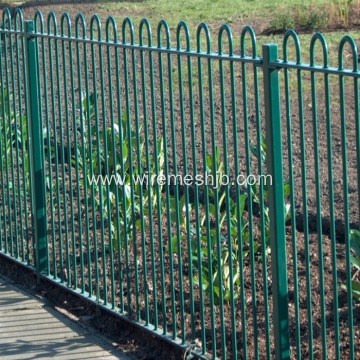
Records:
x=39, y=85
x=137, y=154
x=176, y=194
x=77, y=176
x=122, y=118
x=203, y=141
x=61, y=180
x=71, y=157
x=54, y=117
x=113, y=165
x=357, y=132
x=106, y=211
x=84, y=109
x=254, y=306
x=293, y=211
x=305, y=210
x=276, y=203
x=150, y=202
x=65, y=134
x=88, y=154
x=127, y=137
x=27, y=124
x=22, y=176
x=1, y=153
x=159, y=211
x=185, y=171
x=346, y=216
x=79, y=136
x=349, y=41
x=39, y=26
x=216, y=199
x=37, y=152
x=3, y=149
x=117, y=96
x=332, y=218
x=166, y=167
x=292, y=201
x=264, y=238
x=314, y=99
x=65, y=23
x=94, y=136
x=15, y=157
x=8, y=139
x=196, y=200
x=226, y=171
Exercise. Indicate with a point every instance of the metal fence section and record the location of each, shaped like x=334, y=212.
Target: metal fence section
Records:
x=113, y=146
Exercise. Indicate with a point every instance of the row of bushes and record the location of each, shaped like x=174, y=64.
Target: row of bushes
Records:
x=315, y=16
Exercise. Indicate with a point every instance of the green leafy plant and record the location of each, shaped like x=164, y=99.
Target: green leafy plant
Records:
x=14, y=135
x=355, y=261
x=261, y=155
x=123, y=163
x=316, y=19
x=313, y=17
x=213, y=261
x=282, y=21
x=208, y=259
x=221, y=264
x=343, y=10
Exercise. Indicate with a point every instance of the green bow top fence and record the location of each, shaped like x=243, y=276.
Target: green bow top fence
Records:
x=203, y=192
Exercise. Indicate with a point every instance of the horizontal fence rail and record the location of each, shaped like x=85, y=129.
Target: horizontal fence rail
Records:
x=206, y=193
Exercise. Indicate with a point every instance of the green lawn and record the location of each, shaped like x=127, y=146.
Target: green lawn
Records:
x=321, y=15
x=215, y=12
x=195, y=11
x=260, y=14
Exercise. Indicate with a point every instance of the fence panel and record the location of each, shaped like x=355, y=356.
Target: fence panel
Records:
x=138, y=130
x=15, y=166
x=319, y=112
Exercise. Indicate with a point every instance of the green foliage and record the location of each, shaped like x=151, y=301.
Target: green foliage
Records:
x=282, y=22
x=314, y=18
x=355, y=261
x=343, y=10
x=206, y=255
x=118, y=145
x=261, y=155
x=309, y=17
x=205, y=252
x=13, y=130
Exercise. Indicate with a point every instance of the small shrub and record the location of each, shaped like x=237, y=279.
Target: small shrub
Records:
x=123, y=161
x=13, y=137
x=316, y=19
x=343, y=10
x=260, y=153
x=313, y=18
x=211, y=264
x=214, y=262
x=282, y=22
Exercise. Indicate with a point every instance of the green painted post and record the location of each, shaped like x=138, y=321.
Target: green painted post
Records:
x=36, y=152
x=274, y=164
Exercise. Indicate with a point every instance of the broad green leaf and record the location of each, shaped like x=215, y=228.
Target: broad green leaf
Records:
x=356, y=289
x=287, y=188
x=355, y=261
x=355, y=241
x=174, y=245
x=243, y=198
